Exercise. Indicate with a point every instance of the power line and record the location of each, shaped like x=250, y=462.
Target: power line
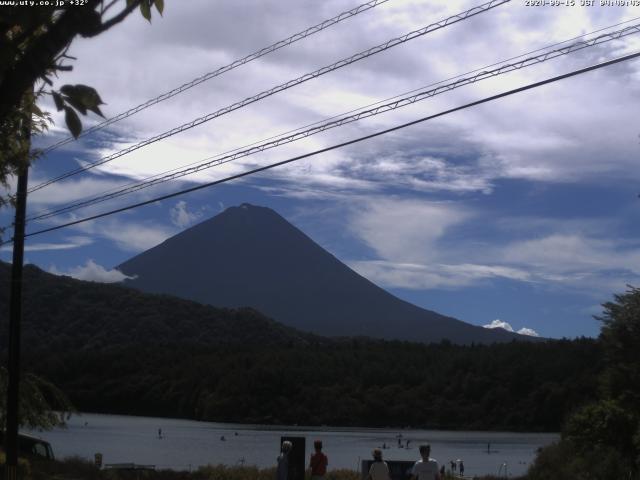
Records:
x=300, y=134
x=237, y=63
x=291, y=83
x=379, y=102
x=343, y=144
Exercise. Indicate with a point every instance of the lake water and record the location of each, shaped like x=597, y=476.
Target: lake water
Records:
x=188, y=444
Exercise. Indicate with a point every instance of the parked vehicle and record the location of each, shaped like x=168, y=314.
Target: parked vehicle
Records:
x=28, y=445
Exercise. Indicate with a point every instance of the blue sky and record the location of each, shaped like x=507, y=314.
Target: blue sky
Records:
x=523, y=211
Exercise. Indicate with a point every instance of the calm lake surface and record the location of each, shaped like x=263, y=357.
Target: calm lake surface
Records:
x=188, y=444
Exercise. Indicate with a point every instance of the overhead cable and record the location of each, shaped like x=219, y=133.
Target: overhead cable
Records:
x=237, y=63
x=341, y=145
x=393, y=105
x=291, y=83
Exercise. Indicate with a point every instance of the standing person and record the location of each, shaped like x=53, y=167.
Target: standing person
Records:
x=379, y=469
x=282, y=472
x=461, y=468
x=318, y=463
x=426, y=468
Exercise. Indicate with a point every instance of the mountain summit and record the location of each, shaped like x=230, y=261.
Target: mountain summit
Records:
x=251, y=256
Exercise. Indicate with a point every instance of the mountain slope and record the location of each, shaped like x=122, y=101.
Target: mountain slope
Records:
x=63, y=314
x=251, y=256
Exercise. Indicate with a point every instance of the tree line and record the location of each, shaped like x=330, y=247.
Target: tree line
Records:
x=117, y=350
x=514, y=386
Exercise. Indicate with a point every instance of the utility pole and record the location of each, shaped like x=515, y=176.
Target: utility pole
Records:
x=15, y=312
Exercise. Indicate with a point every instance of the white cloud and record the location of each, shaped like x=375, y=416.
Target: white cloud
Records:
x=69, y=191
x=68, y=244
x=136, y=237
x=537, y=144
x=419, y=277
x=129, y=236
x=578, y=250
x=497, y=323
x=528, y=331
x=404, y=230
x=421, y=244
x=92, y=272
x=181, y=217
x=546, y=135
x=575, y=259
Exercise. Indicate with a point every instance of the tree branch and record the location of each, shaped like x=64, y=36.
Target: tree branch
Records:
x=40, y=56
x=105, y=9
x=116, y=19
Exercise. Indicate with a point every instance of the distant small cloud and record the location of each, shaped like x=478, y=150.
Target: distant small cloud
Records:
x=92, y=272
x=70, y=243
x=528, y=331
x=497, y=323
x=181, y=217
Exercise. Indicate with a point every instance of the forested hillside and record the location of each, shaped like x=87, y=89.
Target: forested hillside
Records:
x=64, y=314
x=116, y=350
x=517, y=386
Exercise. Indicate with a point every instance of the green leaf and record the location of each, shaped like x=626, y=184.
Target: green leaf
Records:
x=145, y=9
x=88, y=95
x=73, y=122
x=159, y=6
x=76, y=103
x=83, y=98
x=35, y=110
x=96, y=110
x=57, y=98
x=67, y=89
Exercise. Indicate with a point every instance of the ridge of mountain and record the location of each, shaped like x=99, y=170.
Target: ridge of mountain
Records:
x=251, y=256
x=61, y=314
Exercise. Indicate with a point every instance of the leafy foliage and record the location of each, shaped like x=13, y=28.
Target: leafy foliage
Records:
x=561, y=461
x=602, y=424
x=602, y=439
x=42, y=404
x=620, y=337
x=33, y=49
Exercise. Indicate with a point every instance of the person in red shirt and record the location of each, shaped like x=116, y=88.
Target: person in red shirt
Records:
x=318, y=463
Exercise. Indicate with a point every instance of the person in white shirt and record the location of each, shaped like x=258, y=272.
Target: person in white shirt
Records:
x=426, y=468
x=379, y=469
